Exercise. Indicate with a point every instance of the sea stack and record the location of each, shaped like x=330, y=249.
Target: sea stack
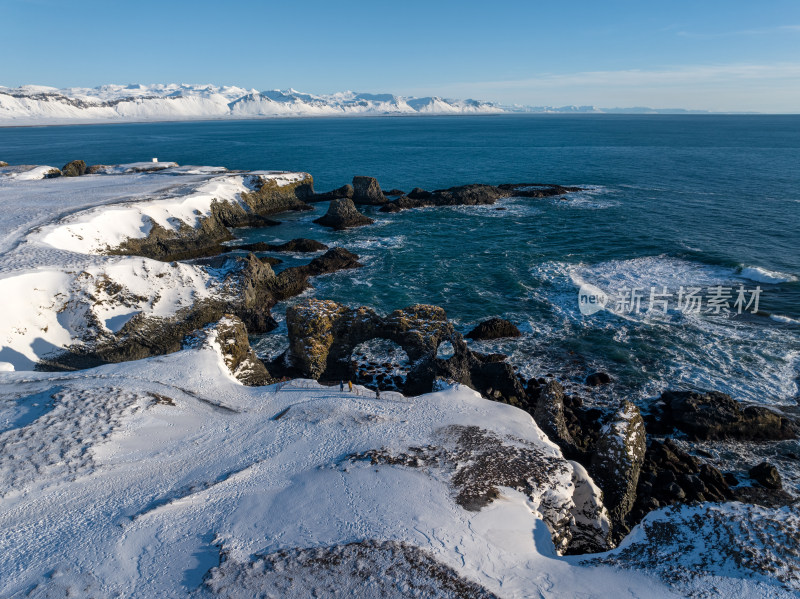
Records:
x=343, y=214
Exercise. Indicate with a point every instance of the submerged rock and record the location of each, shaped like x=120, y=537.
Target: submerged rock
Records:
x=76, y=168
x=343, y=214
x=367, y=191
x=494, y=328
x=714, y=415
x=598, y=378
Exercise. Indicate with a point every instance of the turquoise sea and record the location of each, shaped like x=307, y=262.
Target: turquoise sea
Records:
x=670, y=201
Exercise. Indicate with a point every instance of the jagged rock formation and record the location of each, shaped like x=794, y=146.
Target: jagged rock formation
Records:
x=715, y=415
x=669, y=475
x=241, y=360
x=549, y=415
x=343, y=214
x=367, y=191
x=76, y=168
x=617, y=462
x=494, y=328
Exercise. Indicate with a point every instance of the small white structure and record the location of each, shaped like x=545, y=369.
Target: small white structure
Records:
x=155, y=159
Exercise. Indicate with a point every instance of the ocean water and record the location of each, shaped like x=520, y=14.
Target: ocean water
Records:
x=668, y=202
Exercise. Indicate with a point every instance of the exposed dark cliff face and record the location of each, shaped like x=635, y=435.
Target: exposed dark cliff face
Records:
x=266, y=198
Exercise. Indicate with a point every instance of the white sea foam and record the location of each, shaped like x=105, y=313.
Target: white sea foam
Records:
x=762, y=275
x=784, y=319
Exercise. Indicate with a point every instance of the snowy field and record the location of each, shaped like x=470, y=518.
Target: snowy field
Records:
x=166, y=477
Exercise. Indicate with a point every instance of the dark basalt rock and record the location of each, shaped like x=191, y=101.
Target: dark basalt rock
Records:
x=299, y=245
x=670, y=475
x=494, y=328
x=76, y=168
x=766, y=475
x=419, y=194
x=345, y=191
x=714, y=415
x=598, y=378
x=536, y=190
x=616, y=464
x=549, y=415
x=343, y=214
x=394, y=192
x=472, y=195
x=367, y=191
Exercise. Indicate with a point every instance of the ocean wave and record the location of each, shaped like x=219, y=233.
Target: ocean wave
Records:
x=762, y=275
x=592, y=197
x=784, y=319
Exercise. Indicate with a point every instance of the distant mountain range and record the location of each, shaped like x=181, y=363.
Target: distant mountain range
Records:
x=36, y=104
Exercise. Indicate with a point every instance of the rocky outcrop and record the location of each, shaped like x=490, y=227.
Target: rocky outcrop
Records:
x=343, y=214
x=617, y=462
x=766, y=475
x=475, y=194
x=494, y=328
x=713, y=415
x=249, y=291
x=323, y=334
x=549, y=415
x=2, y=164
x=670, y=475
x=478, y=464
x=239, y=357
x=299, y=245
x=367, y=191
x=76, y=168
x=205, y=239
x=591, y=528
x=345, y=191
x=598, y=378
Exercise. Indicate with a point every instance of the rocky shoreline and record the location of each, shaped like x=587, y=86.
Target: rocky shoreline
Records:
x=640, y=461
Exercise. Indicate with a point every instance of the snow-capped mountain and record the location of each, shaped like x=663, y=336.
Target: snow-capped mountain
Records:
x=37, y=104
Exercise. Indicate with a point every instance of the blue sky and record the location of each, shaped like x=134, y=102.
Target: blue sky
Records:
x=717, y=55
